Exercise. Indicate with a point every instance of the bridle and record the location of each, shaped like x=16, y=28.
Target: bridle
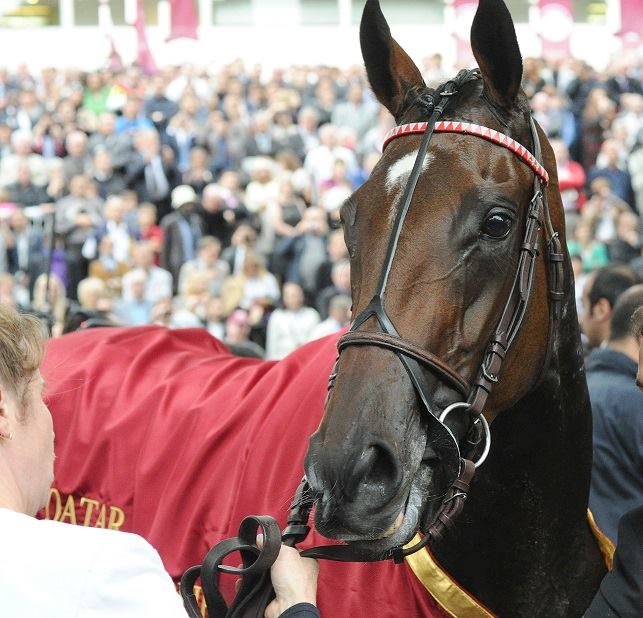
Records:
x=459, y=470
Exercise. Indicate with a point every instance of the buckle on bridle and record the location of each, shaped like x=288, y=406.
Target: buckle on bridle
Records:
x=492, y=377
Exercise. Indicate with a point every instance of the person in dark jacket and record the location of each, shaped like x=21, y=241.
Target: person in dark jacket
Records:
x=602, y=288
x=617, y=404
x=182, y=231
x=621, y=591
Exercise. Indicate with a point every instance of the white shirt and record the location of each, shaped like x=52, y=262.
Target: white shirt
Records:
x=287, y=330
x=158, y=286
x=59, y=570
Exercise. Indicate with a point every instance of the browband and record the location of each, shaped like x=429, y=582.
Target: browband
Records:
x=468, y=128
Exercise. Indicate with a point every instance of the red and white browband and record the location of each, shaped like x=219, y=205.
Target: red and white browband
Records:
x=468, y=128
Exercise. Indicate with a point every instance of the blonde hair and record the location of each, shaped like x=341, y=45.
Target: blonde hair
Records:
x=89, y=287
x=22, y=347
x=57, y=291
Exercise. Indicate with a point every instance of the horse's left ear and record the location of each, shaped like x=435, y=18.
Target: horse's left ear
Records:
x=495, y=47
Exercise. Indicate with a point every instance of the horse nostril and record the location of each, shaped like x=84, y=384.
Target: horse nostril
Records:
x=377, y=469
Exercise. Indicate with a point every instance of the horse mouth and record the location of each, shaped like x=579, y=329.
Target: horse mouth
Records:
x=411, y=517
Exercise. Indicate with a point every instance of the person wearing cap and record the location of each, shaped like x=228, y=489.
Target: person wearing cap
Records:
x=182, y=230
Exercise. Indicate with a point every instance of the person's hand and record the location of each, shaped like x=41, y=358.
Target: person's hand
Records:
x=294, y=579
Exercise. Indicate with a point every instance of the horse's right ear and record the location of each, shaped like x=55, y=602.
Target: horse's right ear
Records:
x=390, y=70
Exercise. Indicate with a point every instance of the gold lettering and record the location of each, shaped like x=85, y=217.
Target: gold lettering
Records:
x=55, y=494
x=69, y=512
x=100, y=521
x=116, y=518
x=90, y=509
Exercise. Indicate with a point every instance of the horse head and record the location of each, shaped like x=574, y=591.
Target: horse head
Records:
x=436, y=281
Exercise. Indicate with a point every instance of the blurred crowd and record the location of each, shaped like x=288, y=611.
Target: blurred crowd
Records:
x=199, y=199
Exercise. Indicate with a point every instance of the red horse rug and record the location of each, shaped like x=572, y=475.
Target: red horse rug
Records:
x=166, y=434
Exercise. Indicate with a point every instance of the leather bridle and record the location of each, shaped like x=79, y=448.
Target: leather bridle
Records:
x=458, y=470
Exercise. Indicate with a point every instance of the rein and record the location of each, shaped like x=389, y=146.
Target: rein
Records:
x=256, y=591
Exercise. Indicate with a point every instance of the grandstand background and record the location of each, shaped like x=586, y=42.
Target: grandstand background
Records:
x=278, y=32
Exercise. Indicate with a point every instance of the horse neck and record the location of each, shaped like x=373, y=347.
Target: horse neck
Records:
x=522, y=545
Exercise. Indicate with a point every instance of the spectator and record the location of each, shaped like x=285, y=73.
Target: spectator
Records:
x=608, y=167
x=215, y=317
x=24, y=192
x=93, y=295
x=339, y=316
x=320, y=160
x=107, y=268
x=306, y=252
x=218, y=219
x=78, y=160
x=77, y=217
x=340, y=285
x=357, y=112
x=117, y=229
x=137, y=311
x=21, y=146
x=571, y=177
x=27, y=247
x=617, y=485
x=243, y=240
x=148, y=230
x=602, y=288
x=158, y=282
x=106, y=137
x=95, y=94
x=197, y=173
x=54, y=303
x=107, y=181
x=132, y=120
x=263, y=187
x=182, y=231
x=627, y=244
x=158, y=108
x=151, y=171
x=207, y=261
x=336, y=250
x=253, y=284
x=237, y=331
x=290, y=327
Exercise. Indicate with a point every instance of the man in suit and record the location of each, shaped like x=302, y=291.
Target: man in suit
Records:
x=182, y=230
x=152, y=171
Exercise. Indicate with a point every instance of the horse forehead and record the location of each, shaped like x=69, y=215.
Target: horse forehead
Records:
x=400, y=171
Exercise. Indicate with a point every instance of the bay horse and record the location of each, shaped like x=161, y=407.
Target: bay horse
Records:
x=462, y=313
x=163, y=433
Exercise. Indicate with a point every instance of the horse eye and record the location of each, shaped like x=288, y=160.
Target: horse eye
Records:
x=496, y=225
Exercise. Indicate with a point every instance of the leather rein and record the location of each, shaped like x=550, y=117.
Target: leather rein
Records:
x=256, y=591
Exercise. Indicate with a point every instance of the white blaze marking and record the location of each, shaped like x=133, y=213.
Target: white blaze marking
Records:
x=398, y=175
x=399, y=172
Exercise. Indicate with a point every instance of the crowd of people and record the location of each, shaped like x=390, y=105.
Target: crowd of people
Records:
x=190, y=199
x=197, y=199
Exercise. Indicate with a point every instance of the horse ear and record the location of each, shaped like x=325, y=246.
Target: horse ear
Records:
x=390, y=70
x=495, y=47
